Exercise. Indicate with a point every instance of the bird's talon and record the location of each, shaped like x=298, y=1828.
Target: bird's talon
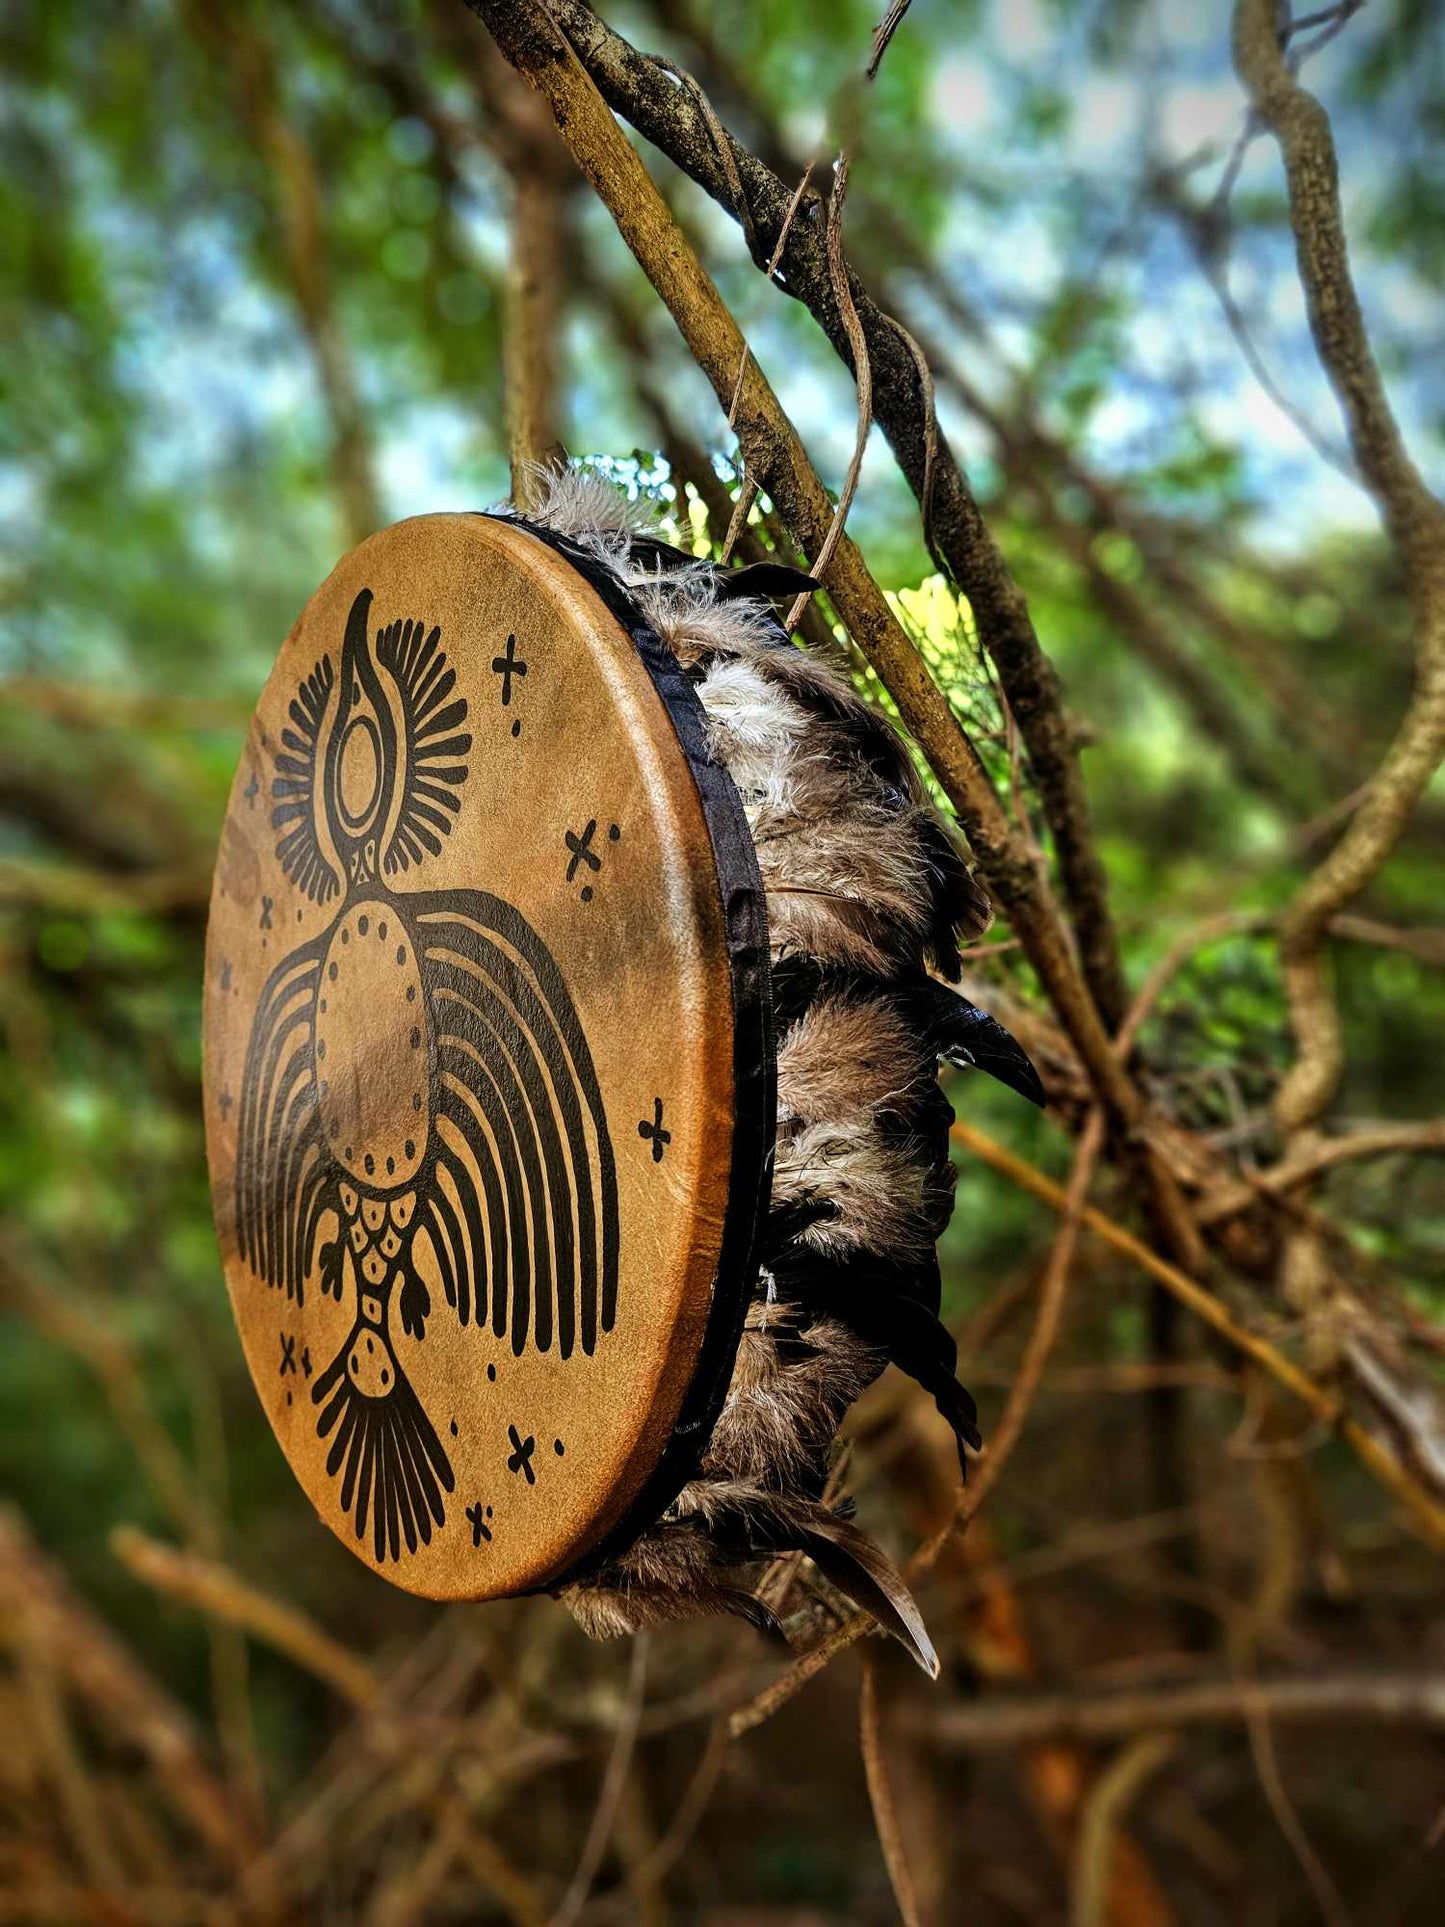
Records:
x=415, y=1308
x=331, y=1269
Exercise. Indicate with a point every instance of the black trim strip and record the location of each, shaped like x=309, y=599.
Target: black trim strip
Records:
x=755, y=1108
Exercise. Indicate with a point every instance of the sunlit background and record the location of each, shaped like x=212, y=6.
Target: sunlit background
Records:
x=1063, y=203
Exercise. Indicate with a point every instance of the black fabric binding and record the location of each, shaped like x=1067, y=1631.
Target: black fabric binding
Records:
x=754, y=1071
x=893, y=1306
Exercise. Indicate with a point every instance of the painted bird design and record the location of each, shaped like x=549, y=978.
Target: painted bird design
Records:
x=417, y=1085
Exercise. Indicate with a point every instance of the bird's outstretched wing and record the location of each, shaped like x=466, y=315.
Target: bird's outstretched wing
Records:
x=282, y=1169
x=432, y=743
x=522, y=1210
x=294, y=787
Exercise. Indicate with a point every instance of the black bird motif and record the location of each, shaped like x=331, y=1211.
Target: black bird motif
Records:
x=417, y=1073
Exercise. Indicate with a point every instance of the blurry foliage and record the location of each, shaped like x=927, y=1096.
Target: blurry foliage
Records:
x=167, y=507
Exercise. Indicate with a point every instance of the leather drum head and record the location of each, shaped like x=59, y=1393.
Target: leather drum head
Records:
x=488, y=1073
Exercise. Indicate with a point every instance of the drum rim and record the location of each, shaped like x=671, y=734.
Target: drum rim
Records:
x=754, y=1129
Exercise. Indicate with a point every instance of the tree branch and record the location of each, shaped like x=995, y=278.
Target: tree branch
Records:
x=1413, y=517
x=880, y=1793
x=531, y=327
x=1385, y=1699
x=518, y=130
x=118, y=1690
x=1026, y=1382
x=297, y=199
x=1109, y=1800
x=776, y=459
x=665, y=113
x=1427, y=1513
x=528, y=37
x=214, y=1589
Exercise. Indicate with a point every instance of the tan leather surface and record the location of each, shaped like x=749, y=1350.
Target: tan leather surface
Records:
x=352, y=1148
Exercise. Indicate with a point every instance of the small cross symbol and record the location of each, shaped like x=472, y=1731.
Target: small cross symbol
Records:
x=479, y=1514
x=520, y=1459
x=226, y=1102
x=660, y=1138
x=288, y=1356
x=581, y=849
x=508, y=666
x=268, y=904
x=252, y=790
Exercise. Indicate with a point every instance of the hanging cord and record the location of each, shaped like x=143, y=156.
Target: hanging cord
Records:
x=727, y=160
x=863, y=371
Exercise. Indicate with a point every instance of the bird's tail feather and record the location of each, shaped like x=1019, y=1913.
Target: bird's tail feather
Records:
x=392, y=1465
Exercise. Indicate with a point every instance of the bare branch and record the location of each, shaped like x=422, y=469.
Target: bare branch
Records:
x=541, y=181
x=1384, y=1699
x=1266, y=1766
x=1426, y=1512
x=880, y=1793
x=1036, y=1353
x=858, y=341
x=1427, y=945
x=883, y=34
x=776, y=458
x=666, y=114
x=75, y=1320
x=609, y=1798
x=214, y=1589
x=530, y=330
x=1413, y=517
x=1110, y=1798
x=56, y=886
x=118, y=1690
x=297, y=197
x=1319, y=1154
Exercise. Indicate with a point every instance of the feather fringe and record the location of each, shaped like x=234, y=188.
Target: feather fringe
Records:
x=867, y=893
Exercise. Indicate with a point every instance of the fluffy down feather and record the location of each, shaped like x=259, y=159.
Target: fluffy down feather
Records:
x=793, y=1379
x=866, y=892
x=848, y=1060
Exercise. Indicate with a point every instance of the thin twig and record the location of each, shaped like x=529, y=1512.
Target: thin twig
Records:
x=609, y=1797
x=85, y=705
x=70, y=1319
x=1108, y=1801
x=1052, y=1291
x=880, y=1792
x=1217, y=275
x=928, y=405
x=1373, y=1699
x=214, y=1589
x=1319, y=1154
x=249, y=58
x=1414, y=519
x=118, y=1692
x=1426, y=1512
x=726, y=160
x=680, y=1829
x=884, y=32
x=747, y=488
x=1228, y=924
x=1427, y=945
x=1266, y=1765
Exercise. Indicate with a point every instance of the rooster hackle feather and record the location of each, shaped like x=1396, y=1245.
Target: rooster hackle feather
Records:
x=867, y=899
